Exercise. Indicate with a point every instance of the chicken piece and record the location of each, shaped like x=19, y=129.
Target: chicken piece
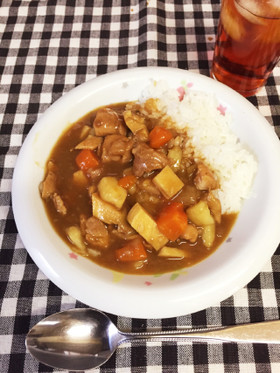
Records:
x=190, y=234
x=48, y=186
x=125, y=231
x=147, y=194
x=117, y=148
x=59, y=204
x=95, y=232
x=189, y=195
x=48, y=189
x=215, y=207
x=147, y=159
x=205, y=179
x=147, y=185
x=94, y=174
x=108, y=122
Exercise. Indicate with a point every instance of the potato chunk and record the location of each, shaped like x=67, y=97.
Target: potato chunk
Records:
x=200, y=214
x=110, y=191
x=84, y=132
x=79, y=178
x=172, y=252
x=175, y=155
x=145, y=225
x=106, y=212
x=136, y=124
x=75, y=236
x=168, y=182
x=208, y=235
x=90, y=142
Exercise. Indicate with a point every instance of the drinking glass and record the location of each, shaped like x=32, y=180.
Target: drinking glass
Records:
x=247, y=45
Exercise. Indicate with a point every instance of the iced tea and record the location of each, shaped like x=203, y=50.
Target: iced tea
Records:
x=248, y=44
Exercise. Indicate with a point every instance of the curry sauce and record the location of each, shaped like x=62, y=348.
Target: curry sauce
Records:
x=119, y=138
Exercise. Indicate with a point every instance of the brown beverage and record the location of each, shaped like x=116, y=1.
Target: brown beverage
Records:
x=248, y=44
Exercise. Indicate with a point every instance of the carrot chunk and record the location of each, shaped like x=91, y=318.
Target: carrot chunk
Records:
x=133, y=251
x=86, y=159
x=172, y=220
x=159, y=136
x=127, y=181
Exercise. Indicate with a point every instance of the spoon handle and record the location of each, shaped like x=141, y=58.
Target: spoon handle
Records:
x=262, y=332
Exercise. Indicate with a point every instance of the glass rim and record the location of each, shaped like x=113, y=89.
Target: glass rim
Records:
x=243, y=6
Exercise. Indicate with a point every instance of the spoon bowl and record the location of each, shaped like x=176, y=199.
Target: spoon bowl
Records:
x=77, y=339
x=86, y=338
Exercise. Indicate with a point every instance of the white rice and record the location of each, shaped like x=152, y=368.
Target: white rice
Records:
x=212, y=139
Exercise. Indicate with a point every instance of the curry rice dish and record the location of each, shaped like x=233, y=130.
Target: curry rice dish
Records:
x=125, y=188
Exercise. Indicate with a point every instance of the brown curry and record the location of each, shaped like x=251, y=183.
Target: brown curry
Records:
x=122, y=188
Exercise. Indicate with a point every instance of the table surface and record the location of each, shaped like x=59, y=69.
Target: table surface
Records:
x=46, y=49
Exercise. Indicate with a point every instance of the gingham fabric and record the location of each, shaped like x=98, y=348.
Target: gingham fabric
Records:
x=46, y=49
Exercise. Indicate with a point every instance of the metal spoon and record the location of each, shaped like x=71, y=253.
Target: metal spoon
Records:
x=86, y=338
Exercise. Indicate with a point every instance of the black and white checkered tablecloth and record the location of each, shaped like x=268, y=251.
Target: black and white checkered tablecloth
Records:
x=47, y=48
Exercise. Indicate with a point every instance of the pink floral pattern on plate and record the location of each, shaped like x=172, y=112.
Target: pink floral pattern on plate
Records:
x=73, y=256
x=183, y=88
x=222, y=109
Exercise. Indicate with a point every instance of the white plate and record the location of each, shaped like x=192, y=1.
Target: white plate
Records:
x=254, y=237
